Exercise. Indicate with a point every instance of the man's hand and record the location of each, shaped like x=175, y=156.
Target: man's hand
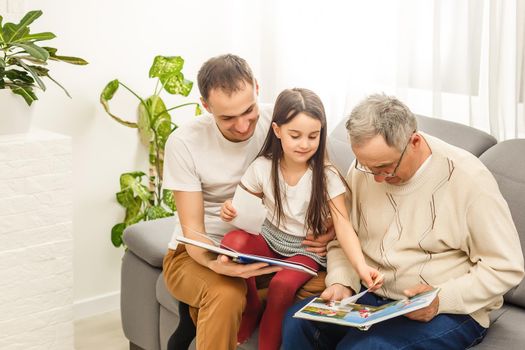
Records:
x=225, y=266
x=228, y=212
x=336, y=292
x=318, y=246
x=425, y=314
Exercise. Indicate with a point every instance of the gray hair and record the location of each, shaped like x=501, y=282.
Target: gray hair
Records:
x=379, y=114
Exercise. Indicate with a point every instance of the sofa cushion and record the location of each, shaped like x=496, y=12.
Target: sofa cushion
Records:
x=149, y=239
x=506, y=329
x=505, y=161
x=468, y=138
x=340, y=154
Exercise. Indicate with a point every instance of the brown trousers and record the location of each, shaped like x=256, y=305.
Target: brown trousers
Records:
x=216, y=301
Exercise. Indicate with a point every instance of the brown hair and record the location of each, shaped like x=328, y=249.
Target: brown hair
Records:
x=289, y=104
x=230, y=73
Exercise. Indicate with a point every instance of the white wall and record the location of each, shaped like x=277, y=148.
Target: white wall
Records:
x=119, y=38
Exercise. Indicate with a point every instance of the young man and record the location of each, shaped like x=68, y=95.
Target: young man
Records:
x=204, y=161
x=428, y=214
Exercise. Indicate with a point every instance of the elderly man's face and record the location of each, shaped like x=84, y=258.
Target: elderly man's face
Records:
x=386, y=163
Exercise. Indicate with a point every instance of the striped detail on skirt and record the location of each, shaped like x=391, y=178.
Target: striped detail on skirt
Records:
x=286, y=244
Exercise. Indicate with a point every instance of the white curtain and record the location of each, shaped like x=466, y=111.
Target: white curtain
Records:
x=460, y=60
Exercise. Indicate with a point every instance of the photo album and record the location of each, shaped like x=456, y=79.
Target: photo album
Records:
x=247, y=258
x=362, y=316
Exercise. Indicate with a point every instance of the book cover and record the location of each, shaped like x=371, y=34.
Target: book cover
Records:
x=362, y=316
x=247, y=258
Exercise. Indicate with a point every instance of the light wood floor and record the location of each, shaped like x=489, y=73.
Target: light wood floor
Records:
x=101, y=332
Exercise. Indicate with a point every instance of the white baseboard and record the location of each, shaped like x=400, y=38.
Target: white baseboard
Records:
x=97, y=305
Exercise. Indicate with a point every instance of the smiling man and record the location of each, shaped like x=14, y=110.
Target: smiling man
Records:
x=428, y=214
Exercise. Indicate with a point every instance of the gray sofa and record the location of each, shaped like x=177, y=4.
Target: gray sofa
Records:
x=150, y=314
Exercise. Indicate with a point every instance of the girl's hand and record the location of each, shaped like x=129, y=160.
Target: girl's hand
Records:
x=228, y=212
x=372, y=278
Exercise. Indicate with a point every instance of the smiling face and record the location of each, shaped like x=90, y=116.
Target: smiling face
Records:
x=299, y=138
x=235, y=114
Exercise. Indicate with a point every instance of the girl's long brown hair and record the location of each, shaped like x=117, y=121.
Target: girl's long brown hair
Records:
x=289, y=104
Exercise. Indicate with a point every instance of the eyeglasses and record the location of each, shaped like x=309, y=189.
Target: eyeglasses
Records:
x=367, y=170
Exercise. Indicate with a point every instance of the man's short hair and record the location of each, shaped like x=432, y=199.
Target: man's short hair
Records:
x=229, y=73
x=383, y=115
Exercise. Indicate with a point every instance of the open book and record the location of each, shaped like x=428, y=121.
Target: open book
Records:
x=247, y=258
x=362, y=316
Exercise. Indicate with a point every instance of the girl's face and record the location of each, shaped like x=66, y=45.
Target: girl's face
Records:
x=299, y=138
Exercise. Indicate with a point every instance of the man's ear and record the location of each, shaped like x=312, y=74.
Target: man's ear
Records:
x=276, y=130
x=256, y=88
x=416, y=139
x=205, y=105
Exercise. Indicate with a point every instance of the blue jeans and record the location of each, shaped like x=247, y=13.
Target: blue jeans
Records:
x=445, y=331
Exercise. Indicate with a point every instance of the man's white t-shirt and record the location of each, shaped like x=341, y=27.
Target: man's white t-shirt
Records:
x=296, y=199
x=198, y=158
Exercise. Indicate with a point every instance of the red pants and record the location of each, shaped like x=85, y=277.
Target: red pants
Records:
x=281, y=291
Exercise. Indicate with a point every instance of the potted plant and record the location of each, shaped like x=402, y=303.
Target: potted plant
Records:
x=23, y=62
x=154, y=124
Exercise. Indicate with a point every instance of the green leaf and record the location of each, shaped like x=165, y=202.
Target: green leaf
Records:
x=67, y=59
x=166, y=65
x=198, y=110
x=27, y=93
x=132, y=205
x=2, y=62
x=34, y=50
x=2, y=38
x=34, y=73
x=176, y=84
x=133, y=181
x=168, y=199
x=144, y=124
x=168, y=70
x=157, y=212
x=17, y=76
x=70, y=59
x=38, y=37
x=29, y=18
x=107, y=94
x=162, y=128
x=9, y=29
x=109, y=90
x=14, y=32
x=116, y=234
x=133, y=213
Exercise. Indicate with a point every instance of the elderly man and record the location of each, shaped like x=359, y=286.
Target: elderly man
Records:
x=428, y=214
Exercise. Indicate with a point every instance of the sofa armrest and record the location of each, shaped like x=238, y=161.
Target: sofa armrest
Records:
x=149, y=239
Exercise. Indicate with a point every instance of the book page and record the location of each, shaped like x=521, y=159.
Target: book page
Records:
x=251, y=212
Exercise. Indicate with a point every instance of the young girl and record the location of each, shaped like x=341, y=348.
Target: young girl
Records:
x=301, y=190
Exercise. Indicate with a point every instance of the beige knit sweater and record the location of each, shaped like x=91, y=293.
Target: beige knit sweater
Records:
x=448, y=227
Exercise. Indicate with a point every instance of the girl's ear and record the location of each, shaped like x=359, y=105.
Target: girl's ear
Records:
x=276, y=130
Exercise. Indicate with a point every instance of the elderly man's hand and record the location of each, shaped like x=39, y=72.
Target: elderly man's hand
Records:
x=425, y=314
x=318, y=245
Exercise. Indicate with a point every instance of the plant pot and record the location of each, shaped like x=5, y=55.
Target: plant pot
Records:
x=15, y=114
